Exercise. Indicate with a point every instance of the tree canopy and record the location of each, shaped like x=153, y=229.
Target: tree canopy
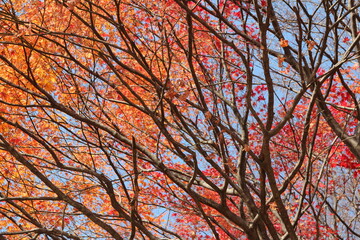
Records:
x=179, y=119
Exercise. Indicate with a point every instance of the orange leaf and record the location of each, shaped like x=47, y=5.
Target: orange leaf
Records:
x=184, y=96
x=281, y=59
x=247, y=148
x=170, y=94
x=284, y=43
x=310, y=44
x=208, y=115
x=221, y=137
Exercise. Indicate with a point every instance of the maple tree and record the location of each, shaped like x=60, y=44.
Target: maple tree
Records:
x=140, y=119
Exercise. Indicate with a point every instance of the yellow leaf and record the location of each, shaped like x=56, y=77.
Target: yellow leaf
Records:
x=49, y=84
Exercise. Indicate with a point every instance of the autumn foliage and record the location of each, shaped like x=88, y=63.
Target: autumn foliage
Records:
x=179, y=119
